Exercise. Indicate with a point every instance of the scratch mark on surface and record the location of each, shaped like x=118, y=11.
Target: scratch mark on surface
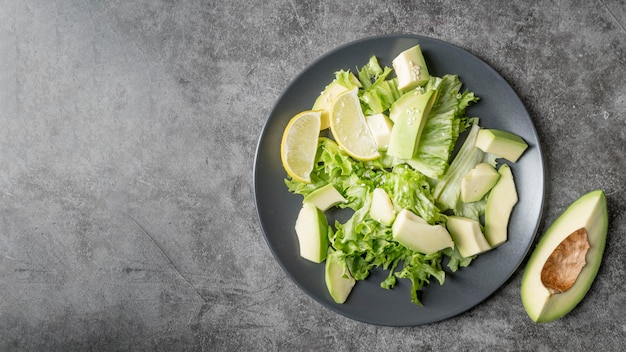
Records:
x=268, y=287
x=619, y=24
x=299, y=19
x=306, y=331
x=167, y=257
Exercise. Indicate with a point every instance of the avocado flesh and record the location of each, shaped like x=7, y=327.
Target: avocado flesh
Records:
x=380, y=126
x=416, y=234
x=324, y=197
x=501, y=143
x=409, y=114
x=467, y=235
x=312, y=232
x=500, y=203
x=478, y=182
x=410, y=68
x=590, y=212
x=338, y=280
x=382, y=209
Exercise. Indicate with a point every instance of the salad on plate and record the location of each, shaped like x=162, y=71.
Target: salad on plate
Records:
x=419, y=180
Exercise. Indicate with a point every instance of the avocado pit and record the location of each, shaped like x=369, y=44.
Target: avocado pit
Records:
x=563, y=266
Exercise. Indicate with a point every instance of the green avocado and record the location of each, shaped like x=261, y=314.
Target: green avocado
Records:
x=312, y=231
x=410, y=68
x=416, y=234
x=545, y=304
x=500, y=203
x=501, y=143
x=338, y=280
x=382, y=209
x=478, y=182
x=409, y=114
x=467, y=235
x=324, y=197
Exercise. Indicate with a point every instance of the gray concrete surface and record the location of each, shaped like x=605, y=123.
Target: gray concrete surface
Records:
x=127, y=138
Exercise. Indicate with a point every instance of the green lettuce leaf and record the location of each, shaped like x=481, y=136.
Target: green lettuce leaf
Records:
x=371, y=73
x=378, y=92
x=446, y=121
x=419, y=268
x=456, y=260
x=447, y=190
x=347, y=79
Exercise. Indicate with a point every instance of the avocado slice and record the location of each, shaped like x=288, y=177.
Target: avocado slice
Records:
x=478, y=182
x=324, y=197
x=382, y=209
x=312, y=232
x=467, y=235
x=410, y=68
x=416, y=234
x=547, y=264
x=500, y=203
x=338, y=280
x=409, y=114
x=380, y=126
x=501, y=143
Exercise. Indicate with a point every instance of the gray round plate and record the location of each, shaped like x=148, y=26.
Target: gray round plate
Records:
x=499, y=107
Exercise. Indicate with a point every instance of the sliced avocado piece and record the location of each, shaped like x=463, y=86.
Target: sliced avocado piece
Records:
x=339, y=282
x=324, y=197
x=410, y=68
x=467, y=236
x=382, y=209
x=380, y=126
x=418, y=235
x=478, y=182
x=581, y=227
x=325, y=99
x=409, y=112
x=500, y=203
x=501, y=143
x=312, y=232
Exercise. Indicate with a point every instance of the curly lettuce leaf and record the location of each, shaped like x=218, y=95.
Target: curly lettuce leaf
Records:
x=456, y=260
x=371, y=73
x=347, y=79
x=378, y=92
x=446, y=121
x=419, y=268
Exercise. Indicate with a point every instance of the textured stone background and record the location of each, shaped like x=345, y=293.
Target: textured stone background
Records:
x=127, y=138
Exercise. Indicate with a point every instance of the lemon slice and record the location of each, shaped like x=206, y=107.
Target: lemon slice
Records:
x=348, y=125
x=299, y=145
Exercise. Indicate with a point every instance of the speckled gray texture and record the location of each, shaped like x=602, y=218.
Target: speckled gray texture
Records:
x=127, y=139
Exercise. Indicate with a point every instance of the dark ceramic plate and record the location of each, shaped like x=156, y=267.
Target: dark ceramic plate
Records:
x=499, y=107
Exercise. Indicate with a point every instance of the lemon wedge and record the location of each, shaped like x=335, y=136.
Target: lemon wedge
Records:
x=349, y=127
x=324, y=101
x=299, y=145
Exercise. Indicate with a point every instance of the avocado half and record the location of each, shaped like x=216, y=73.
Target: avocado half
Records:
x=588, y=213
